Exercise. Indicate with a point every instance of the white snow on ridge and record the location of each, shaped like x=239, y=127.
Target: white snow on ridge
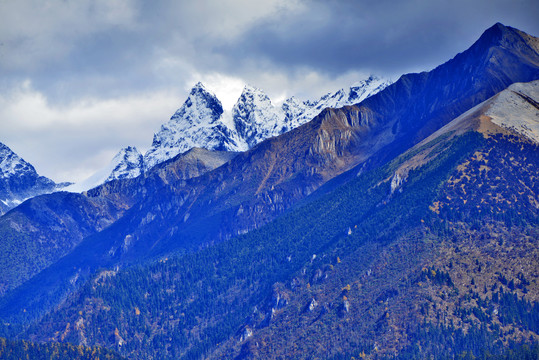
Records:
x=202, y=122
x=128, y=163
x=358, y=92
x=19, y=180
x=12, y=164
x=197, y=123
x=514, y=109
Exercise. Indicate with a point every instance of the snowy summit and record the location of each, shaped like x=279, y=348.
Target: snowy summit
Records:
x=201, y=122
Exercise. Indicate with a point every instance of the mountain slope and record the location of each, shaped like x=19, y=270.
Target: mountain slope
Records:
x=43, y=229
x=410, y=259
x=462, y=279
x=369, y=268
x=225, y=282
x=517, y=109
x=263, y=182
x=19, y=180
x=258, y=185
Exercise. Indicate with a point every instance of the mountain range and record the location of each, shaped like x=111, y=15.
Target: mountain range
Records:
x=401, y=225
x=201, y=122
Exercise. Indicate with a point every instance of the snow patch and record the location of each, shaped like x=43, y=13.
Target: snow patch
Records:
x=396, y=182
x=313, y=304
x=517, y=109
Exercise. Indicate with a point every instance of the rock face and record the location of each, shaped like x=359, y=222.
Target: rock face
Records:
x=19, y=180
x=128, y=163
x=197, y=123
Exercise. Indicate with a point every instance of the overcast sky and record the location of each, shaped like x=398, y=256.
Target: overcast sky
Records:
x=80, y=79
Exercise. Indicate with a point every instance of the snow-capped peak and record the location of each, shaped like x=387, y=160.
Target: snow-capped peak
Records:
x=127, y=163
x=361, y=90
x=254, y=97
x=201, y=122
x=255, y=117
x=197, y=123
x=12, y=164
x=201, y=107
x=19, y=180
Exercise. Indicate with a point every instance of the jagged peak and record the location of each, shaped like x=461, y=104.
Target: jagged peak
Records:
x=293, y=100
x=248, y=88
x=371, y=79
x=199, y=100
x=127, y=151
x=127, y=163
x=494, y=31
x=12, y=164
x=198, y=85
x=499, y=34
x=199, y=90
x=5, y=150
x=251, y=93
x=498, y=26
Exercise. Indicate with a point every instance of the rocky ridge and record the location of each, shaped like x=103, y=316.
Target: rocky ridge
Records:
x=203, y=123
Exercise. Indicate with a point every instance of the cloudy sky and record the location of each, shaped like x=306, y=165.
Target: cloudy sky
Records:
x=80, y=79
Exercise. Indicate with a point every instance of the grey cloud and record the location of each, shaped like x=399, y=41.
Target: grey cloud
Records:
x=109, y=56
x=385, y=37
